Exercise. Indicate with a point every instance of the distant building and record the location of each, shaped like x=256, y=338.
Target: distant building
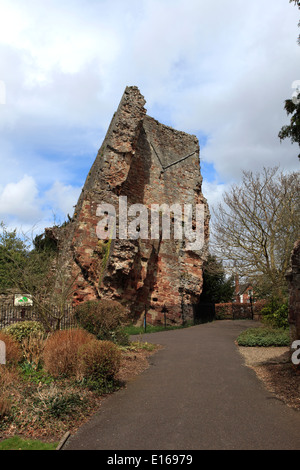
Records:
x=243, y=292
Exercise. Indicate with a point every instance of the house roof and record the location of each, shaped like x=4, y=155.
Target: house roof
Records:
x=243, y=288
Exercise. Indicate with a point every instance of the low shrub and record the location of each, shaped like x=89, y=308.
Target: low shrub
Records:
x=104, y=319
x=22, y=330
x=33, y=347
x=223, y=311
x=60, y=353
x=264, y=336
x=5, y=405
x=99, y=362
x=34, y=374
x=65, y=405
x=57, y=403
x=7, y=381
x=275, y=314
x=13, y=349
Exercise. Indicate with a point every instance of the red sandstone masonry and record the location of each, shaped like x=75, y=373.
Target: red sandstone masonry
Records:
x=293, y=277
x=154, y=276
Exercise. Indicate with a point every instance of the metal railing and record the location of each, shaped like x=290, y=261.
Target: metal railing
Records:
x=54, y=320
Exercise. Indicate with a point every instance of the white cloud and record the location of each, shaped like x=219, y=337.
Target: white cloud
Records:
x=214, y=193
x=23, y=205
x=63, y=198
x=222, y=69
x=20, y=200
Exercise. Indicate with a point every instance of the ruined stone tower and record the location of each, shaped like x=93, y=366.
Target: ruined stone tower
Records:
x=149, y=163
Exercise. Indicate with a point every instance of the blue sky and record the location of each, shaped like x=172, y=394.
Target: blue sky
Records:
x=219, y=70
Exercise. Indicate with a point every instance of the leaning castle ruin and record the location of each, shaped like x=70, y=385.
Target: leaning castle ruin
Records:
x=147, y=163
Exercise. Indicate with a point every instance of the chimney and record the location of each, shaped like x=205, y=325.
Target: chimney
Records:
x=237, y=288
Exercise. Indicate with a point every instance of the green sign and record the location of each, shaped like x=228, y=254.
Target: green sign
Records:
x=22, y=300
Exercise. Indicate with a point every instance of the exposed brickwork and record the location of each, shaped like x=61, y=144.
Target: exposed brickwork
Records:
x=156, y=276
x=293, y=278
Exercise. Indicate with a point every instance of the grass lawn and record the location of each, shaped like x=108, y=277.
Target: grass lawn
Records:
x=139, y=330
x=17, y=443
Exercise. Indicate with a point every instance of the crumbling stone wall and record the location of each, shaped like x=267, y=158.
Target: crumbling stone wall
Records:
x=149, y=163
x=293, y=278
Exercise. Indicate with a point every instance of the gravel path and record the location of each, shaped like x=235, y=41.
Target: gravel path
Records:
x=257, y=356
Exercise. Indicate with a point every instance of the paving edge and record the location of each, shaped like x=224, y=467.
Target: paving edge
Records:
x=63, y=440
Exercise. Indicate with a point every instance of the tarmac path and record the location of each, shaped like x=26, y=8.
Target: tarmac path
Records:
x=197, y=394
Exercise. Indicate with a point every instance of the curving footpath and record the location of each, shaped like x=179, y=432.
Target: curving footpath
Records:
x=196, y=395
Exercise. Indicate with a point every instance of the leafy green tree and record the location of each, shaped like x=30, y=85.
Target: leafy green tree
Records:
x=23, y=266
x=216, y=287
x=43, y=243
x=13, y=257
x=292, y=131
x=275, y=313
x=34, y=268
x=292, y=107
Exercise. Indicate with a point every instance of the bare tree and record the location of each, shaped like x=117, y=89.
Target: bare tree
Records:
x=256, y=226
